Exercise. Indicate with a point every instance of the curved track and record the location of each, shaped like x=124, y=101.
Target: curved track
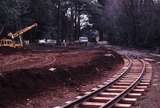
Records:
x=121, y=91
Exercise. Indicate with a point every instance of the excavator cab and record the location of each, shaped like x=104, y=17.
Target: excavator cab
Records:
x=6, y=43
x=9, y=43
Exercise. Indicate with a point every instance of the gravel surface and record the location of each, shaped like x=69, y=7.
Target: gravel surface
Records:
x=151, y=99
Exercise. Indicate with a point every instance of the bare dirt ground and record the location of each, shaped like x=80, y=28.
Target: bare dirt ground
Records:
x=26, y=82
x=28, y=60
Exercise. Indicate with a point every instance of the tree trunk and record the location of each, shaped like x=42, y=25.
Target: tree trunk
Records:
x=59, y=23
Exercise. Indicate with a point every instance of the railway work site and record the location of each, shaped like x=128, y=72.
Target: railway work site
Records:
x=79, y=78
x=57, y=76
x=79, y=54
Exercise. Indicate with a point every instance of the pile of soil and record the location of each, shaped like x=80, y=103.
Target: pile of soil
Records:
x=21, y=83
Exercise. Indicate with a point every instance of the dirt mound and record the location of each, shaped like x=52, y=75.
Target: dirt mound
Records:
x=19, y=84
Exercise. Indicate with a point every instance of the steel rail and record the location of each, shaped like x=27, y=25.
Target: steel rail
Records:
x=112, y=102
x=86, y=97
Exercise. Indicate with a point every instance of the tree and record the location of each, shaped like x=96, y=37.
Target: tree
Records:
x=133, y=23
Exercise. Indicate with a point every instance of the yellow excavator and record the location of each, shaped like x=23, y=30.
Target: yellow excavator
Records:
x=11, y=42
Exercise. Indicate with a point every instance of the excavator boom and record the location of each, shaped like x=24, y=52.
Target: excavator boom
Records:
x=11, y=42
x=20, y=32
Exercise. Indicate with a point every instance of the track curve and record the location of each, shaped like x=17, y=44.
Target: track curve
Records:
x=120, y=91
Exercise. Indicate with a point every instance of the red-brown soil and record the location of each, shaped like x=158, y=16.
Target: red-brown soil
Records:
x=26, y=82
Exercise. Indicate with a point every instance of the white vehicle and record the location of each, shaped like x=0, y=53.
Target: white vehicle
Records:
x=42, y=41
x=48, y=41
x=83, y=39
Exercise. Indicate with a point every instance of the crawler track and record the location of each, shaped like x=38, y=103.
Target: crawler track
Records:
x=121, y=91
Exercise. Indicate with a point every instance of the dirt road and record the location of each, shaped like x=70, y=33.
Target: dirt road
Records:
x=30, y=60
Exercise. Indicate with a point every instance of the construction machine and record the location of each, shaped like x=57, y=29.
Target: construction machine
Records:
x=11, y=40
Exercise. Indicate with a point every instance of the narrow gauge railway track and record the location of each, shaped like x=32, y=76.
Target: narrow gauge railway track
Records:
x=121, y=91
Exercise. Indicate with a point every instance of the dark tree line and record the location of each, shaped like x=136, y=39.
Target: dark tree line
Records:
x=123, y=22
x=57, y=19
x=134, y=22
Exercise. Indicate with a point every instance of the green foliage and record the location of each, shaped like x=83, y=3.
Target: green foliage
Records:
x=51, y=15
x=123, y=22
